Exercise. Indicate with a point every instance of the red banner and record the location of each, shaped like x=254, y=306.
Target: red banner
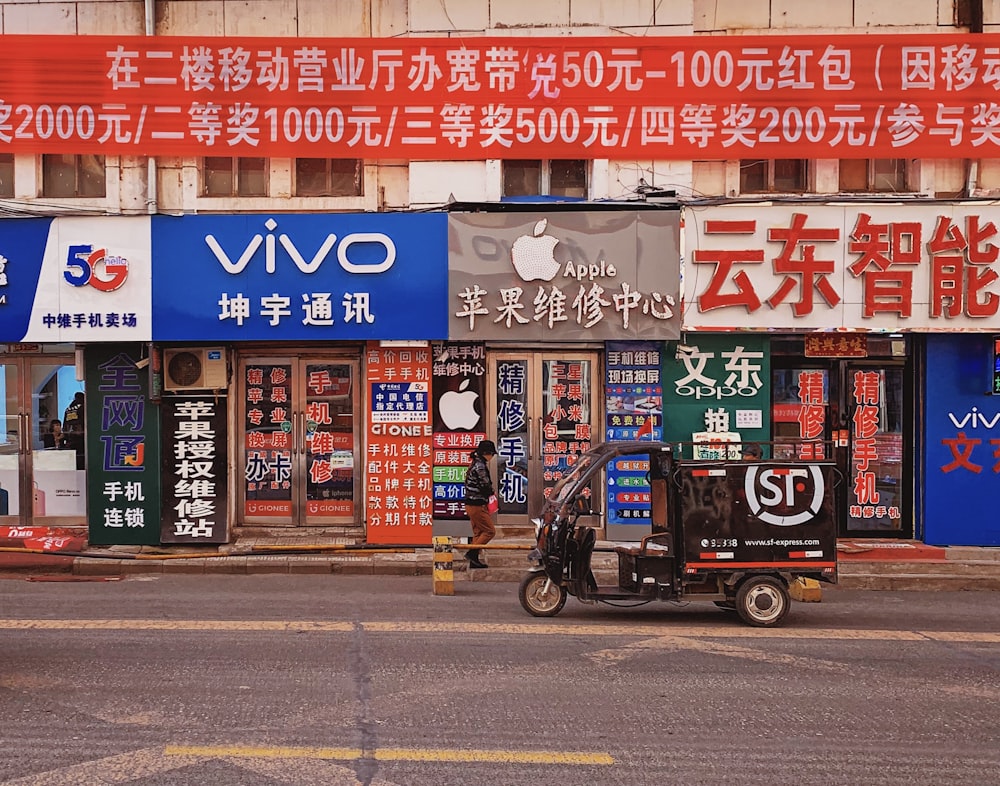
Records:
x=858, y=96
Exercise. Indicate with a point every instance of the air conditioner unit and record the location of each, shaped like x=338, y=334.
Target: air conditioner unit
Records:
x=194, y=368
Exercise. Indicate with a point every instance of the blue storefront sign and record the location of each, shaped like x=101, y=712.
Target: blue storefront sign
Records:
x=962, y=453
x=348, y=276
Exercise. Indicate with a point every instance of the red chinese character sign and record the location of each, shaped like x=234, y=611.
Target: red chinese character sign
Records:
x=853, y=267
x=399, y=456
x=723, y=97
x=875, y=485
x=267, y=424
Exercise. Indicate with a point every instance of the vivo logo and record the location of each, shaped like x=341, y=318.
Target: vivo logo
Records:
x=306, y=266
x=975, y=418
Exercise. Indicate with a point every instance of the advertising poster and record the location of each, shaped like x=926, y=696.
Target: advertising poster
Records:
x=267, y=422
x=399, y=463
x=459, y=392
x=512, y=435
x=75, y=279
x=123, y=449
x=634, y=410
x=713, y=385
x=194, y=470
x=329, y=421
x=566, y=430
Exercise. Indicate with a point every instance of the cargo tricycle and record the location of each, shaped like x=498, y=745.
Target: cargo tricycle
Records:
x=730, y=531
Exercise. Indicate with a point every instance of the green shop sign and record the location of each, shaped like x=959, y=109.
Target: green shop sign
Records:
x=717, y=393
x=123, y=449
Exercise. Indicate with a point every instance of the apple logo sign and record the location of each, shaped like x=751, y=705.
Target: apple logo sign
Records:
x=532, y=254
x=458, y=408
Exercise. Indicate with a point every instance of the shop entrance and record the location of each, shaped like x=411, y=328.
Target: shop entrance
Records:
x=42, y=459
x=299, y=436
x=861, y=407
x=543, y=413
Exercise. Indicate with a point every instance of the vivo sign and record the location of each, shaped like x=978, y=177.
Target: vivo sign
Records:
x=368, y=239
x=315, y=277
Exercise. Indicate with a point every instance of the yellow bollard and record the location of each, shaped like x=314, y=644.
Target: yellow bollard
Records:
x=444, y=573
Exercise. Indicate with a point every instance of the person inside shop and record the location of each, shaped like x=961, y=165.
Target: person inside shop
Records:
x=53, y=439
x=480, y=500
x=73, y=427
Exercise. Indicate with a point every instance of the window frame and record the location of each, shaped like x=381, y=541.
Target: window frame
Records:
x=328, y=192
x=237, y=177
x=79, y=175
x=770, y=176
x=545, y=176
x=872, y=175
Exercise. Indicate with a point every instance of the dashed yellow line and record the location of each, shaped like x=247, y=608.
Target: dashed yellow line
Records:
x=734, y=631
x=394, y=754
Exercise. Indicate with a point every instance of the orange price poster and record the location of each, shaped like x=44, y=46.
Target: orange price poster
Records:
x=399, y=465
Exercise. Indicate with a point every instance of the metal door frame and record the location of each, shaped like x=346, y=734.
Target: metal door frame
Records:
x=533, y=359
x=297, y=360
x=25, y=438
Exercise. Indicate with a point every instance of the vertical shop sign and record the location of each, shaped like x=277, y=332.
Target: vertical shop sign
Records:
x=458, y=386
x=399, y=466
x=329, y=440
x=267, y=422
x=812, y=413
x=122, y=432
x=512, y=435
x=865, y=501
x=194, y=470
x=714, y=384
x=566, y=431
x=634, y=406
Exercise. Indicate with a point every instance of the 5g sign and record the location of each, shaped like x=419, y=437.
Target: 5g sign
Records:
x=785, y=488
x=87, y=266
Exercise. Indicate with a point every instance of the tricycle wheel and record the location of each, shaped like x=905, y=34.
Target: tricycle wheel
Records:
x=762, y=601
x=541, y=597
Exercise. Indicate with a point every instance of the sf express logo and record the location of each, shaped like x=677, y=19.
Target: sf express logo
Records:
x=784, y=496
x=87, y=266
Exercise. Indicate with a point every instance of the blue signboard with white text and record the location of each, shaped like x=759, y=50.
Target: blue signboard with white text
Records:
x=315, y=277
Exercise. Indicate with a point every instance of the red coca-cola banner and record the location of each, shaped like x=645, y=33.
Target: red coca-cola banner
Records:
x=859, y=96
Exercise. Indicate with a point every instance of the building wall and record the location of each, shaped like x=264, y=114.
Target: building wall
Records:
x=401, y=184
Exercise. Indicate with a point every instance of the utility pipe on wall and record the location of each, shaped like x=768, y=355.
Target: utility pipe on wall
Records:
x=151, y=173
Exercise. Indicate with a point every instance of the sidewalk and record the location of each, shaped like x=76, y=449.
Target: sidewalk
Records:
x=863, y=564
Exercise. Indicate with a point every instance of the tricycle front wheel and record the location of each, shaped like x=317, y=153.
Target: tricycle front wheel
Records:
x=762, y=601
x=540, y=596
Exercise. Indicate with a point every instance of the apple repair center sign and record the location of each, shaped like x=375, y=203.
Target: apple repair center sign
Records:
x=582, y=275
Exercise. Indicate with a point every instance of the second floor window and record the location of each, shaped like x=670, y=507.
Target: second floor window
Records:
x=880, y=175
x=234, y=177
x=68, y=176
x=328, y=177
x=780, y=175
x=556, y=177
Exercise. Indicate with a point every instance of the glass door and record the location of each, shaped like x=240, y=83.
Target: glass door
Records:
x=300, y=437
x=544, y=416
x=42, y=458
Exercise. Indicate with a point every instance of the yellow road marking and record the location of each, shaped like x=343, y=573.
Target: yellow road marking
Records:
x=523, y=629
x=393, y=754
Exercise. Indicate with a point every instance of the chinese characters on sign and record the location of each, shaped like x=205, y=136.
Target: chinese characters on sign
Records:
x=709, y=380
x=267, y=423
x=399, y=461
x=329, y=422
x=566, y=422
x=634, y=410
x=514, y=97
x=869, y=504
x=851, y=267
x=513, y=435
x=459, y=387
x=194, y=470
x=567, y=275
x=123, y=500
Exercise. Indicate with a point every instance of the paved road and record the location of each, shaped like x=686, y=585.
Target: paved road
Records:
x=370, y=680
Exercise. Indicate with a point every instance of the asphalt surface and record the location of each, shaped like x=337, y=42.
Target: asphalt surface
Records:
x=277, y=679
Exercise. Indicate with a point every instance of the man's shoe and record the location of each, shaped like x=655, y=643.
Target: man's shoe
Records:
x=477, y=564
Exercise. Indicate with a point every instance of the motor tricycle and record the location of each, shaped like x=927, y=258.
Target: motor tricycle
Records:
x=726, y=530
